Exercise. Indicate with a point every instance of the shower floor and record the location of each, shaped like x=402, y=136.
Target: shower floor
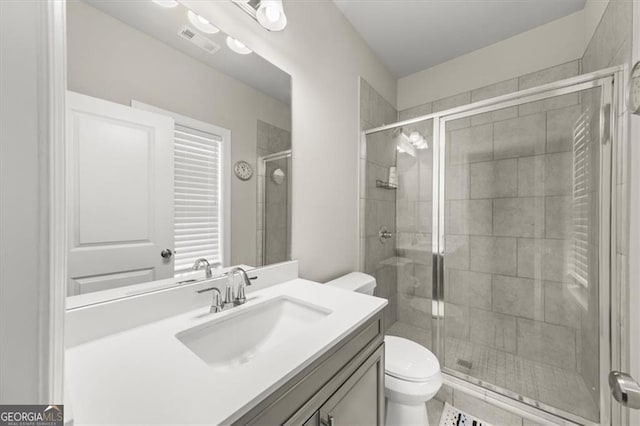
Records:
x=549, y=385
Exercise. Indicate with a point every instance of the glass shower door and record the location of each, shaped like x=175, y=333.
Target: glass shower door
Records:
x=520, y=232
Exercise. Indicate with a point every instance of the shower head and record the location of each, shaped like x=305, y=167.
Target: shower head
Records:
x=402, y=142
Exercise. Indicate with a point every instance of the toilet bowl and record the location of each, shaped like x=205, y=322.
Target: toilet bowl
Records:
x=412, y=372
x=411, y=378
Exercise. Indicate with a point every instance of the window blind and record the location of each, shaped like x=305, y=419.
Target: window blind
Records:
x=581, y=222
x=197, y=197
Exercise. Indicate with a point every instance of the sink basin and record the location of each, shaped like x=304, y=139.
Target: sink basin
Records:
x=237, y=338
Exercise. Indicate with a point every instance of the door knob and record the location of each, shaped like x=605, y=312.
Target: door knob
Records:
x=625, y=389
x=166, y=253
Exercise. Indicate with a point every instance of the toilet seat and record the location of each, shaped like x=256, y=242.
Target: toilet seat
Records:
x=409, y=361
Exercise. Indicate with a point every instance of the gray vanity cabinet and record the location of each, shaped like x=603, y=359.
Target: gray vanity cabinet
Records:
x=356, y=401
x=344, y=387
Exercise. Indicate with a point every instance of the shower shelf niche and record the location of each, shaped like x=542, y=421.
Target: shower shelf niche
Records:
x=386, y=185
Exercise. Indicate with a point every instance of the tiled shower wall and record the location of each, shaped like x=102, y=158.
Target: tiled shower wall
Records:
x=610, y=45
x=471, y=211
x=270, y=140
x=377, y=205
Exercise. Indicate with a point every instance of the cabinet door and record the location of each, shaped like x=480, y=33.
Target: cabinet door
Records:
x=314, y=420
x=360, y=400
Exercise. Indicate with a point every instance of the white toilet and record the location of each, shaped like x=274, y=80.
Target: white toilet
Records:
x=412, y=373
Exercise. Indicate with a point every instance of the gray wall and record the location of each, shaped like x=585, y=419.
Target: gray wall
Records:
x=23, y=208
x=377, y=205
x=324, y=68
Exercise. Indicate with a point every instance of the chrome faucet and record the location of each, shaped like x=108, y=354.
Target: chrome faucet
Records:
x=217, y=305
x=241, y=297
x=198, y=264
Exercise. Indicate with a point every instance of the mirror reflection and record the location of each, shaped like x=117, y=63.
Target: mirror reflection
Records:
x=178, y=150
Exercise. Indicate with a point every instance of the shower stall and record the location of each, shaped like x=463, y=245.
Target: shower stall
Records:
x=488, y=229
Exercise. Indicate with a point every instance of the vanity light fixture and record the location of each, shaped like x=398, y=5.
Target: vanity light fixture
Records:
x=201, y=23
x=269, y=13
x=166, y=3
x=237, y=46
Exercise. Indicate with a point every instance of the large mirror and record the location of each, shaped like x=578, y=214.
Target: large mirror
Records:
x=178, y=150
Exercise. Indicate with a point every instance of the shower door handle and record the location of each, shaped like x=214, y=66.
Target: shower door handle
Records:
x=625, y=389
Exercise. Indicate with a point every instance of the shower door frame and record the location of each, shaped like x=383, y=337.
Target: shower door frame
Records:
x=262, y=169
x=612, y=329
x=604, y=224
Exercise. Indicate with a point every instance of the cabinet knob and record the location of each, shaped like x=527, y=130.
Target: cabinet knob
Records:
x=166, y=253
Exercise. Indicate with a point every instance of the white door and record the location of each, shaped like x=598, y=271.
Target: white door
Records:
x=120, y=195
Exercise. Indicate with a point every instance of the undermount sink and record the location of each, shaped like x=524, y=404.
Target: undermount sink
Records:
x=238, y=337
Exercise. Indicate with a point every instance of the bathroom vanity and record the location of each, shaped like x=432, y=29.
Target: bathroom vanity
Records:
x=297, y=352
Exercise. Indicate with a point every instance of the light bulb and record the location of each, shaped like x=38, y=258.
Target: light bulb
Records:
x=202, y=24
x=272, y=13
x=166, y=3
x=237, y=46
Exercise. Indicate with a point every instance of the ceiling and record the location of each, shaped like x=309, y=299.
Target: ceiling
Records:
x=163, y=24
x=413, y=35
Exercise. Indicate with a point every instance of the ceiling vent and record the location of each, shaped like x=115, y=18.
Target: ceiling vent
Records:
x=201, y=41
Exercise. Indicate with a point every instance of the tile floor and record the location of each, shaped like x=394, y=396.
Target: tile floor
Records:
x=547, y=384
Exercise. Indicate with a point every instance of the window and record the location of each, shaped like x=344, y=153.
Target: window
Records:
x=201, y=191
x=197, y=197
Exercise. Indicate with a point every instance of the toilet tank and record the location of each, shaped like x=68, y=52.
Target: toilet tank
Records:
x=355, y=281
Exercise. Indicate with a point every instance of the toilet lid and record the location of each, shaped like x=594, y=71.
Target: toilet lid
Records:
x=408, y=360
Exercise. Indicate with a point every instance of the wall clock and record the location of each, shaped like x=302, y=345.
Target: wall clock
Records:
x=243, y=170
x=633, y=91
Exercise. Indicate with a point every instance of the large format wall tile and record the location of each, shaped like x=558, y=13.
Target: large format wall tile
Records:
x=544, y=259
x=549, y=174
x=519, y=217
x=558, y=216
x=494, y=179
x=494, y=116
x=469, y=288
x=560, y=125
x=520, y=297
x=519, y=137
x=457, y=251
x=471, y=144
x=549, y=75
x=549, y=104
x=452, y=101
x=560, y=305
x=469, y=217
x=457, y=182
x=493, y=90
x=493, y=254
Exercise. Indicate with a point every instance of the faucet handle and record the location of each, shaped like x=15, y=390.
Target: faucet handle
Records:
x=241, y=298
x=228, y=297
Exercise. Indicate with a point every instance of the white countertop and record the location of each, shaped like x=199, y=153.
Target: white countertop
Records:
x=146, y=375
